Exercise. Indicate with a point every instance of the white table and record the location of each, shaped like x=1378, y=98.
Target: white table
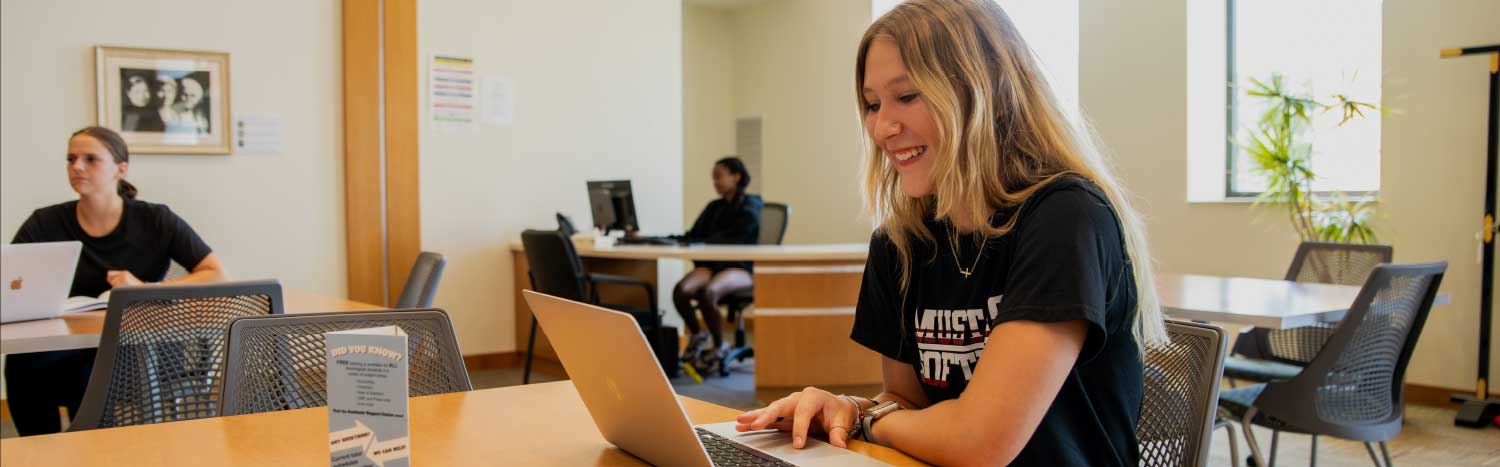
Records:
x=1265, y=303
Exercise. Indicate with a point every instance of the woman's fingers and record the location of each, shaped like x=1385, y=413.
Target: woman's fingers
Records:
x=807, y=408
x=838, y=418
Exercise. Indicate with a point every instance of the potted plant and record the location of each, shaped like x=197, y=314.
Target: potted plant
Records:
x=1281, y=152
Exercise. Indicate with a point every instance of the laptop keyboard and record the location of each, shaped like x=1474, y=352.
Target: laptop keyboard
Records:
x=727, y=453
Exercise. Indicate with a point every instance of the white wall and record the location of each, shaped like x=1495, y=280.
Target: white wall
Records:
x=598, y=95
x=1133, y=68
x=793, y=65
x=267, y=216
x=707, y=101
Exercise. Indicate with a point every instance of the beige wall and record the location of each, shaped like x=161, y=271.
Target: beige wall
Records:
x=1133, y=87
x=266, y=215
x=793, y=65
x=278, y=215
x=598, y=95
x=707, y=102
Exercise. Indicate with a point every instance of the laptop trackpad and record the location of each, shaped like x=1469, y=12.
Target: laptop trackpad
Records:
x=779, y=444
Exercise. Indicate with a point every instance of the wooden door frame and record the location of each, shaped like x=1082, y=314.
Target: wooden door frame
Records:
x=382, y=194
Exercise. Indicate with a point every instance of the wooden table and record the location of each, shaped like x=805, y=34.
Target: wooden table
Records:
x=81, y=330
x=1266, y=303
x=535, y=425
x=804, y=304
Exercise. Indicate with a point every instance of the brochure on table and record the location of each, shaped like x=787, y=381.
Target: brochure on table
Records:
x=367, y=389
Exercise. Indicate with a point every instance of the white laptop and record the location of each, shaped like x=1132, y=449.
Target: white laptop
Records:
x=635, y=408
x=37, y=278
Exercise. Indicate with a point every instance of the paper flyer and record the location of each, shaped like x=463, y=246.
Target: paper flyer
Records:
x=367, y=392
x=453, y=92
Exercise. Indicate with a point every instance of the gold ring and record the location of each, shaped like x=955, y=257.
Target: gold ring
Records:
x=830, y=430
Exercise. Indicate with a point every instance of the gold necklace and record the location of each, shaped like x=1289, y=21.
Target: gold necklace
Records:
x=958, y=262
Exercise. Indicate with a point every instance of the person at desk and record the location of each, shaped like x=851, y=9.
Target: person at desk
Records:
x=734, y=218
x=125, y=242
x=1008, y=287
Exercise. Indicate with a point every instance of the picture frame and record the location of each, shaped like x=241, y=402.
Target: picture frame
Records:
x=165, y=101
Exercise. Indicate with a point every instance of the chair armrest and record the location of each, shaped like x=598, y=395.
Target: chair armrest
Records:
x=596, y=278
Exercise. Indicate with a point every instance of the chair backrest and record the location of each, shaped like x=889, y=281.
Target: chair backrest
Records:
x=161, y=354
x=773, y=220
x=1323, y=263
x=1353, y=388
x=555, y=267
x=422, y=284
x=1337, y=263
x=280, y=362
x=1181, y=395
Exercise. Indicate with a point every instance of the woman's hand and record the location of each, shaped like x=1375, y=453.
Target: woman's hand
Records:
x=120, y=278
x=812, y=408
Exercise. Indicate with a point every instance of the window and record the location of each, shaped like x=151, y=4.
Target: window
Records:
x=1321, y=48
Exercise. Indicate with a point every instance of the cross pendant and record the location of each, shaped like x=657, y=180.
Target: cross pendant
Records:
x=965, y=273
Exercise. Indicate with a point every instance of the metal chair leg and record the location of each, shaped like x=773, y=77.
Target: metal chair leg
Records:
x=1234, y=444
x=1387, y=454
x=1312, y=456
x=1371, y=451
x=1275, y=438
x=1245, y=424
x=530, y=352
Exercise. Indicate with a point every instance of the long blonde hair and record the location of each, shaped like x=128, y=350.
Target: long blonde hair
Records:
x=1002, y=136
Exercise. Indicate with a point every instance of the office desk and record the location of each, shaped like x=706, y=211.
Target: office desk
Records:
x=1266, y=303
x=535, y=425
x=804, y=304
x=81, y=330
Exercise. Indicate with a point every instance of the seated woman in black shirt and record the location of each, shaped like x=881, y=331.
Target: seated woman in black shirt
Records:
x=125, y=242
x=1008, y=287
x=734, y=218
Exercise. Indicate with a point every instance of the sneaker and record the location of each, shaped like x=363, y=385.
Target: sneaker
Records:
x=711, y=360
x=695, y=344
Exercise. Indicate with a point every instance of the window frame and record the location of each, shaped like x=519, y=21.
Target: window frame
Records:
x=1232, y=151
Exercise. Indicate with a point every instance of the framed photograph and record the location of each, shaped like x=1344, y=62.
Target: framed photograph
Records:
x=165, y=101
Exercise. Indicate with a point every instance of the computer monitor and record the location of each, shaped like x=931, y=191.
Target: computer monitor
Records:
x=612, y=205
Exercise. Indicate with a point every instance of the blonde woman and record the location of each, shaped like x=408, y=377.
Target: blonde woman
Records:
x=1003, y=235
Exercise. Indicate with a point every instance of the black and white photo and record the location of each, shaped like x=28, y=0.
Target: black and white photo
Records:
x=165, y=101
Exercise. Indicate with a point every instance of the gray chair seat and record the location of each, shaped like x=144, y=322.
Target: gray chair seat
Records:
x=1251, y=369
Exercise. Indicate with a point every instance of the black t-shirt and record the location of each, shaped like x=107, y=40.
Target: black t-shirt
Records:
x=1064, y=261
x=148, y=237
x=726, y=222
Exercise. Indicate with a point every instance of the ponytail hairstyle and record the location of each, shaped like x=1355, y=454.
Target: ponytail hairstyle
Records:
x=117, y=149
x=736, y=166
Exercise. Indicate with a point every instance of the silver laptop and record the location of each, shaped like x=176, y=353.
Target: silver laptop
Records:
x=37, y=279
x=634, y=406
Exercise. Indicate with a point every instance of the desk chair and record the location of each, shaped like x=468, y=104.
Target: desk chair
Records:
x=421, y=285
x=1181, y=393
x=1352, y=388
x=279, y=362
x=161, y=354
x=556, y=270
x=1279, y=354
x=773, y=221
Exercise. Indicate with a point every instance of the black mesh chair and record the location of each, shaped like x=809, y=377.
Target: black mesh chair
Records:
x=1352, y=388
x=161, y=354
x=773, y=221
x=1279, y=354
x=422, y=284
x=1181, y=395
x=279, y=362
x=556, y=270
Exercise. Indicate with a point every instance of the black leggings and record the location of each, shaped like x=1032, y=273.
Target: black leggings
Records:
x=38, y=383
